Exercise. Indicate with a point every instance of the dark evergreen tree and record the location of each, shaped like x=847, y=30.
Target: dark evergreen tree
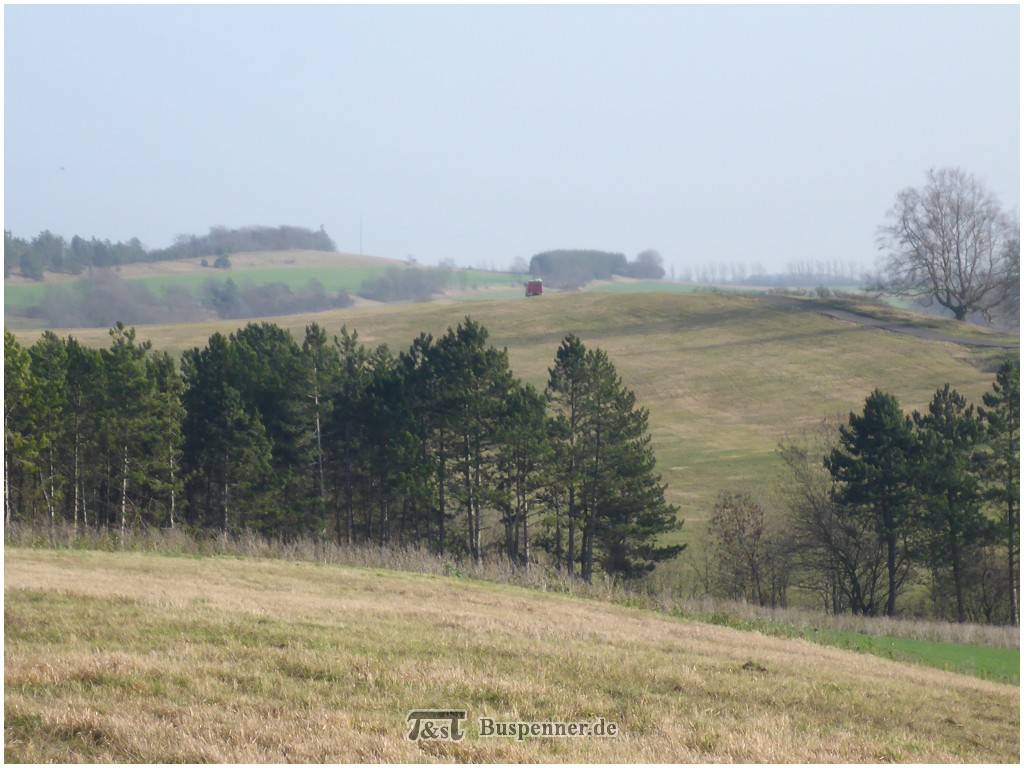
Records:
x=49, y=369
x=424, y=471
x=86, y=387
x=266, y=368
x=343, y=431
x=948, y=438
x=21, y=433
x=873, y=467
x=227, y=453
x=129, y=417
x=523, y=456
x=1001, y=467
x=475, y=381
x=168, y=416
x=625, y=515
x=323, y=374
x=566, y=382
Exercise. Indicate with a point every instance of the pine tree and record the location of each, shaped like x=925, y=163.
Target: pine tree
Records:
x=873, y=469
x=322, y=366
x=49, y=368
x=523, y=454
x=384, y=423
x=625, y=514
x=344, y=429
x=948, y=438
x=566, y=380
x=86, y=385
x=266, y=368
x=128, y=415
x=424, y=471
x=1001, y=413
x=636, y=515
x=227, y=453
x=475, y=379
x=168, y=415
x=21, y=441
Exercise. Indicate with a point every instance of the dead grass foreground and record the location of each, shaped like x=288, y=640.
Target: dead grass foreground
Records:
x=142, y=657
x=650, y=595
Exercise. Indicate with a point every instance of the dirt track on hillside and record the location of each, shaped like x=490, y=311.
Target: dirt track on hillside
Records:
x=894, y=326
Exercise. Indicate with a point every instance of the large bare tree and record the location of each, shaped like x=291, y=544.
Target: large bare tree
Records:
x=949, y=240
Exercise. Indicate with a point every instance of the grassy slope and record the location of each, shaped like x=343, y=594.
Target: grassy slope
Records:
x=143, y=657
x=724, y=376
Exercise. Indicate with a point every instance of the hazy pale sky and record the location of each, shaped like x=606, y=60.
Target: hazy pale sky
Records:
x=482, y=134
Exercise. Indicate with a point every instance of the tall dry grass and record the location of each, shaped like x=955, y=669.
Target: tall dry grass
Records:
x=542, y=577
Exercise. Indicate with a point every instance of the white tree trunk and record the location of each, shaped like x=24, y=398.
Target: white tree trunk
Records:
x=124, y=492
x=77, y=483
x=319, y=442
x=170, y=451
x=226, y=459
x=49, y=500
x=7, y=490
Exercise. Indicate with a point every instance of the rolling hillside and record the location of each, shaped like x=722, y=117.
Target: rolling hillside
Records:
x=140, y=657
x=725, y=376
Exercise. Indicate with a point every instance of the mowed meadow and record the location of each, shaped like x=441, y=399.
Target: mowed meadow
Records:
x=725, y=375
x=142, y=657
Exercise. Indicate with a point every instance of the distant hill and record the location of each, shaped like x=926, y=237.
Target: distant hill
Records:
x=252, y=284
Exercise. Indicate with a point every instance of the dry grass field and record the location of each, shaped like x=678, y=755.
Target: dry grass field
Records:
x=129, y=657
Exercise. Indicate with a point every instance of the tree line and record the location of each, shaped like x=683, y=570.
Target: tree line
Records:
x=885, y=502
x=102, y=298
x=50, y=252
x=575, y=268
x=802, y=273
x=438, y=446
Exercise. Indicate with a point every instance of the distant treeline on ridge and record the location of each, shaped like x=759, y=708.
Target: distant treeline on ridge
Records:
x=573, y=268
x=50, y=252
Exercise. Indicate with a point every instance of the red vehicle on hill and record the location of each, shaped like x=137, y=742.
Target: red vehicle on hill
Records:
x=534, y=288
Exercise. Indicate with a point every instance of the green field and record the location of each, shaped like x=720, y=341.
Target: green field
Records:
x=989, y=663
x=294, y=269
x=142, y=657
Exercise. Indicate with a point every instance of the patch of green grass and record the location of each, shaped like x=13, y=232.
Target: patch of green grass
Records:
x=24, y=294
x=1001, y=664
x=986, y=662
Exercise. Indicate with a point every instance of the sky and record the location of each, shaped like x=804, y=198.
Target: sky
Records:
x=712, y=134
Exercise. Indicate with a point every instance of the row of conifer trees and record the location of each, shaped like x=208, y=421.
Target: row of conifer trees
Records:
x=438, y=446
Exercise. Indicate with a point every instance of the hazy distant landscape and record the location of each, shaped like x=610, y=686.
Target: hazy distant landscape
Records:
x=511, y=384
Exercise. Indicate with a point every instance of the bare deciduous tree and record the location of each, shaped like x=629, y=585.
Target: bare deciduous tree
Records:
x=948, y=240
x=837, y=554
x=753, y=556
